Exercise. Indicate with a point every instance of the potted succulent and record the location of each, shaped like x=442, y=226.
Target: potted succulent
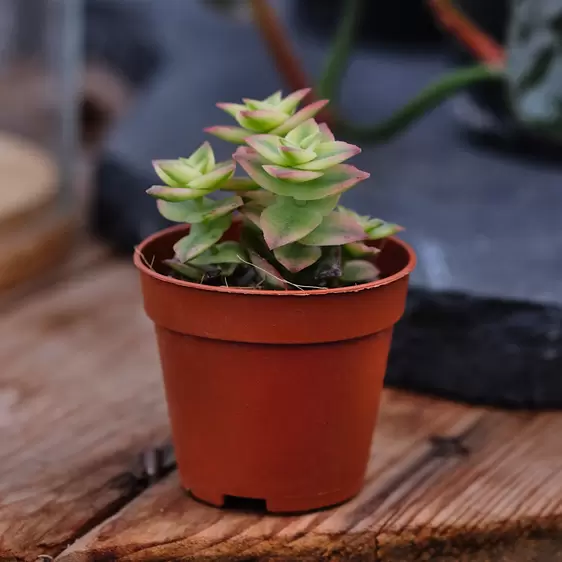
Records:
x=274, y=308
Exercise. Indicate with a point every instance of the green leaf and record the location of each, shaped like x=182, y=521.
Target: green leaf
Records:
x=329, y=154
x=193, y=273
x=175, y=173
x=312, y=141
x=299, y=117
x=360, y=250
x=359, y=271
x=289, y=220
x=295, y=156
x=202, y=210
x=274, y=99
x=267, y=273
x=236, y=135
x=203, y=159
x=534, y=65
x=327, y=135
x=336, y=229
x=201, y=237
x=232, y=109
x=302, y=131
x=256, y=104
x=336, y=180
x=174, y=194
x=268, y=147
x=289, y=104
x=296, y=257
x=225, y=252
x=383, y=231
x=213, y=180
x=290, y=174
x=261, y=120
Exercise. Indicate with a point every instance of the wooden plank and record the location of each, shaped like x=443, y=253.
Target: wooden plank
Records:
x=493, y=493
x=83, y=257
x=80, y=397
x=166, y=524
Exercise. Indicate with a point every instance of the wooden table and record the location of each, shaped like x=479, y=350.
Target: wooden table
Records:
x=82, y=411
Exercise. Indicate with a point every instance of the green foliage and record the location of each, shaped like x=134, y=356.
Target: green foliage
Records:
x=534, y=66
x=293, y=231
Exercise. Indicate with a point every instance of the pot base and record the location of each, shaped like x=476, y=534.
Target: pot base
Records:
x=281, y=505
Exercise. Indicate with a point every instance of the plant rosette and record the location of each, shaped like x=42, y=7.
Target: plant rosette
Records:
x=274, y=308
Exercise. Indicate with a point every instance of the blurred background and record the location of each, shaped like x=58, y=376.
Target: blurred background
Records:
x=91, y=91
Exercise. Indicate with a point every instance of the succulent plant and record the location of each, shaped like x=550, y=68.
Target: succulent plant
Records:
x=294, y=230
x=274, y=114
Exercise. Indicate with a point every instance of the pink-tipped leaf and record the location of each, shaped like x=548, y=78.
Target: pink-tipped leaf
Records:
x=175, y=173
x=299, y=117
x=268, y=147
x=329, y=154
x=201, y=237
x=289, y=220
x=294, y=156
x=203, y=159
x=261, y=120
x=236, y=135
x=336, y=180
x=203, y=210
x=174, y=194
x=213, y=180
x=291, y=174
x=290, y=103
x=296, y=257
x=335, y=230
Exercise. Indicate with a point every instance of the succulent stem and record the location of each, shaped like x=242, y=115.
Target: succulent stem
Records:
x=428, y=99
x=276, y=39
x=474, y=39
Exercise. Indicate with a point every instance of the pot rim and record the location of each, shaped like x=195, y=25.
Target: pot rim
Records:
x=143, y=268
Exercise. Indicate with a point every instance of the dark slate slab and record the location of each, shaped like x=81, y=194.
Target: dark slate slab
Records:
x=485, y=225
x=479, y=350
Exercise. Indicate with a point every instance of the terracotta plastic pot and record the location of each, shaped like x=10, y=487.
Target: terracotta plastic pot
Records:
x=273, y=395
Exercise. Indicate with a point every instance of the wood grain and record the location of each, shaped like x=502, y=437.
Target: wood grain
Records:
x=494, y=493
x=80, y=398
x=165, y=524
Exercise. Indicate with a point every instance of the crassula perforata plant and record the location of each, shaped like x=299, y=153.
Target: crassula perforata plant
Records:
x=293, y=230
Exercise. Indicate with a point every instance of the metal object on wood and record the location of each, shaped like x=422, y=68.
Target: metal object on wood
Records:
x=81, y=399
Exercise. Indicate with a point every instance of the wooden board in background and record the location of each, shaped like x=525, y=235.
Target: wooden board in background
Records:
x=80, y=398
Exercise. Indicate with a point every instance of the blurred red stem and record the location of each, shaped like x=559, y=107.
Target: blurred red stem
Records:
x=280, y=49
x=479, y=43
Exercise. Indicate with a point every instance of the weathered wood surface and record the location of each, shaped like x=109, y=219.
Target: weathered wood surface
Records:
x=80, y=398
x=493, y=493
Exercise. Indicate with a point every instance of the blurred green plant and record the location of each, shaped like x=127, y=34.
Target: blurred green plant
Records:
x=534, y=65
x=430, y=97
x=294, y=232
